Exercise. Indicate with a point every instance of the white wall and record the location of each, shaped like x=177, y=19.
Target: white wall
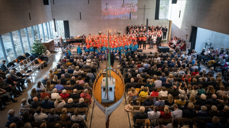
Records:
x=15, y=14
x=92, y=21
x=208, y=14
x=218, y=39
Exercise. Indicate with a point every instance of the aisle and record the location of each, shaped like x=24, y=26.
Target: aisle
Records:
x=118, y=119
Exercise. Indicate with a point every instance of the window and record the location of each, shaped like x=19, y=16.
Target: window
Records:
x=17, y=43
x=41, y=32
x=164, y=9
x=25, y=41
x=36, y=32
x=45, y=31
x=60, y=28
x=50, y=30
x=1, y=54
x=8, y=47
x=30, y=34
x=54, y=33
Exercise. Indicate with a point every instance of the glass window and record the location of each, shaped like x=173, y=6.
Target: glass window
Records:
x=8, y=47
x=35, y=32
x=25, y=40
x=164, y=9
x=41, y=32
x=54, y=34
x=1, y=54
x=30, y=34
x=17, y=43
x=60, y=27
x=50, y=30
x=45, y=31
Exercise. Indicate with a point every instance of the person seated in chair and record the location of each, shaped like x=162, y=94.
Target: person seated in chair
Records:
x=63, y=79
x=81, y=103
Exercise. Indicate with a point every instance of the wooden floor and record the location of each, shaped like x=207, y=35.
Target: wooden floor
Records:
x=119, y=88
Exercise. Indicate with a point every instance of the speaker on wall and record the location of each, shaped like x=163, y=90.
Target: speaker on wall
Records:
x=174, y=1
x=46, y=2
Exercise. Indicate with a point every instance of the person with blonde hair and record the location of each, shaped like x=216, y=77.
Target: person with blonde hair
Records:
x=133, y=93
x=54, y=94
x=140, y=115
x=169, y=101
x=166, y=114
x=215, y=123
x=54, y=80
x=213, y=111
x=59, y=103
x=190, y=112
x=192, y=99
x=51, y=74
x=64, y=116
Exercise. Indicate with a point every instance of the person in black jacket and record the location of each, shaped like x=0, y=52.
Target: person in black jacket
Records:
x=35, y=103
x=81, y=103
x=70, y=103
x=74, y=95
x=190, y=112
x=141, y=114
x=77, y=86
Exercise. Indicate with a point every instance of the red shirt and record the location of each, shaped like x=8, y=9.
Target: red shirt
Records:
x=165, y=116
x=194, y=73
x=64, y=96
x=43, y=95
x=154, y=94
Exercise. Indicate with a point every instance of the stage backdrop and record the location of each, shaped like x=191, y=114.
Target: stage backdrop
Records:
x=101, y=15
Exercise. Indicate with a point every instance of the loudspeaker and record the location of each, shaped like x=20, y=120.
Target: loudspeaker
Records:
x=174, y=1
x=147, y=24
x=66, y=29
x=46, y=2
x=163, y=49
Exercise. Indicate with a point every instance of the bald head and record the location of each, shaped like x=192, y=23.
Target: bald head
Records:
x=35, y=99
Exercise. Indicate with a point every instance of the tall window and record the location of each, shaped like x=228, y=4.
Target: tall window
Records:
x=60, y=27
x=17, y=43
x=24, y=40
x=35, y=32
x=45, y=31
x=41, y=32
x=8, y=47
x=50, y=30
x=30, y=34
x=164, y=9
x=1, y=54
x=55, y=34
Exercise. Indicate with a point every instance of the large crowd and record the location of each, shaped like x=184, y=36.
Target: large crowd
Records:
x=170, y=90
x=61, y=99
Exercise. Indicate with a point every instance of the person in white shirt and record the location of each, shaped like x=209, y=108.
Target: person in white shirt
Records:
x=153, y=114
x=163, y=92
x=158, y=83
x=54, y=95
x=39, y=116
x=177, y=113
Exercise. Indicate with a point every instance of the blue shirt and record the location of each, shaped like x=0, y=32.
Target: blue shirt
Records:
x=59, y=87
x=213, y=125
x=159, y=103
